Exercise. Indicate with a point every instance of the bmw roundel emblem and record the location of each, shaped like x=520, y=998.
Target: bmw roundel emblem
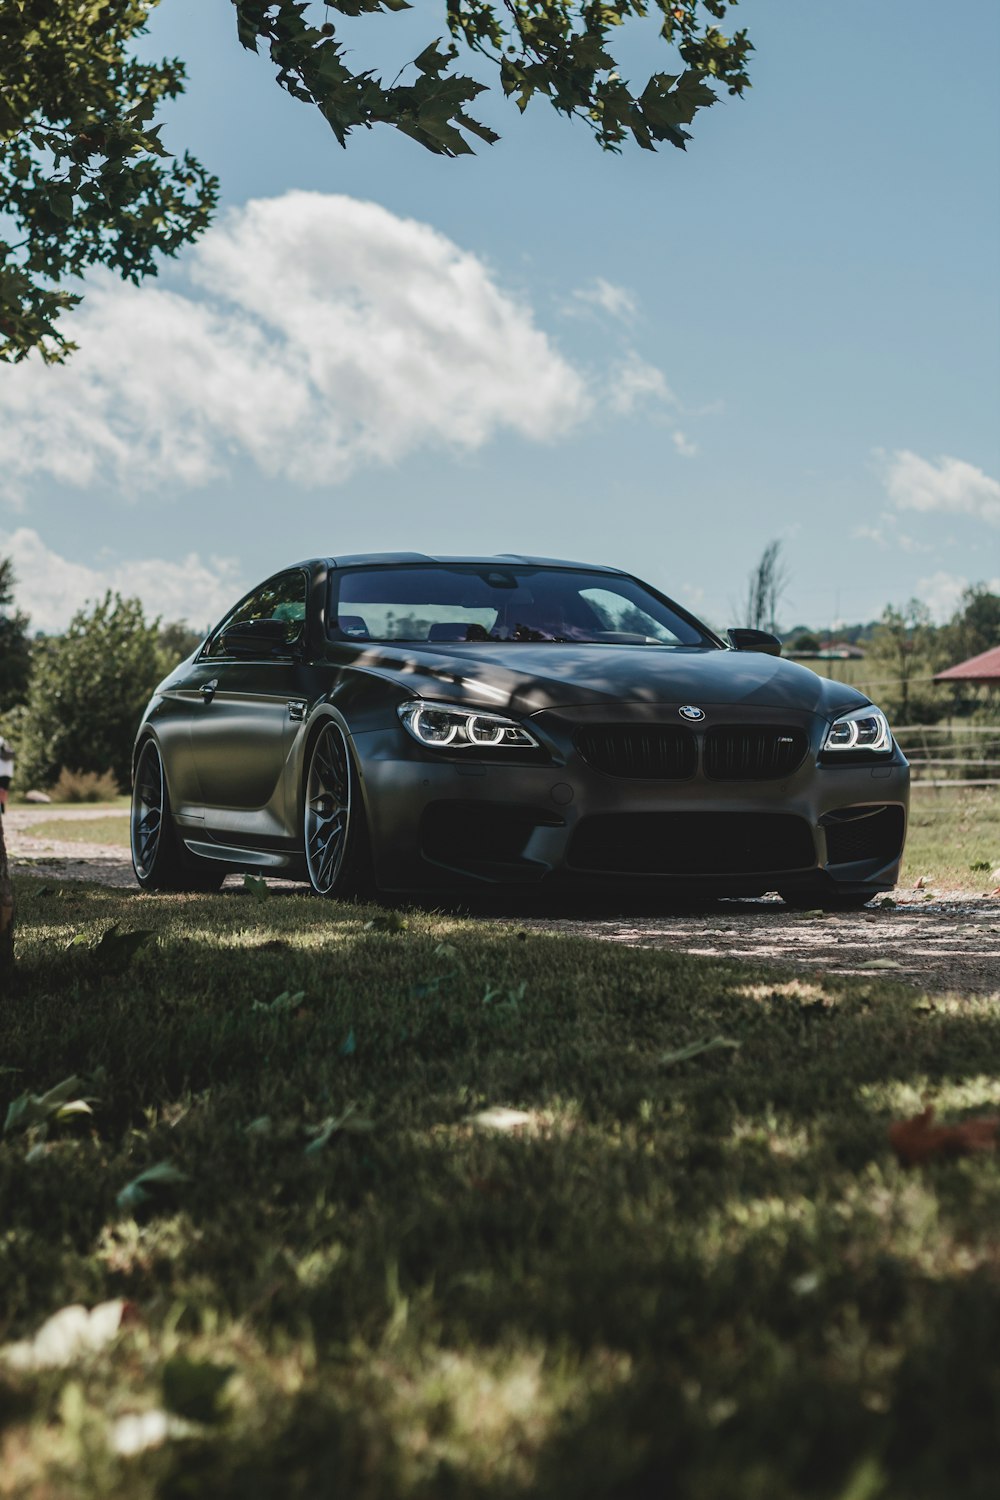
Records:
x=688, y=711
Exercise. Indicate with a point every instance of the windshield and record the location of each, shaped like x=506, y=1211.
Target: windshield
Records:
x=440, y=603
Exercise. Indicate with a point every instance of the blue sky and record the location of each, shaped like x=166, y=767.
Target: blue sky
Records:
x=659, y=361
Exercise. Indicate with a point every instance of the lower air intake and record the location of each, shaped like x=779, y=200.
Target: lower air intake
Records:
x=694, y=843
x=854, y=833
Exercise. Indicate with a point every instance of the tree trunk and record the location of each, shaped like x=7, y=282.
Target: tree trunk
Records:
x=6, y=916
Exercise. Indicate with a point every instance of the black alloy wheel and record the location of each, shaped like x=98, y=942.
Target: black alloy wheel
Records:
x=333, y=820
x=159, y=860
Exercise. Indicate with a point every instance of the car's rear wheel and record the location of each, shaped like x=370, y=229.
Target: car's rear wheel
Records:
x=159, y=860
x=334, y=827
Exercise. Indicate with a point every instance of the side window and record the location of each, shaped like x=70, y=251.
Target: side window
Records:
x=281, y=598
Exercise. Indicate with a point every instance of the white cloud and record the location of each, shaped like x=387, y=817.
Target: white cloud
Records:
x=890, y=537
x=617, y=301
x=634, y=380
x=942, y=593
x=683, y=444
x=950, y=485
x=324, y=333
x=50, y=588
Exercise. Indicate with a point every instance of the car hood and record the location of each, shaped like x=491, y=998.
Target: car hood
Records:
x=527, y=678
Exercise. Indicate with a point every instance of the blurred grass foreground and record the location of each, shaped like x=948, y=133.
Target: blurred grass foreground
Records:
x=304, y=1200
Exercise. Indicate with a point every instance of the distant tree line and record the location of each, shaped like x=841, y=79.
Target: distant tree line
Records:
x=73, y=701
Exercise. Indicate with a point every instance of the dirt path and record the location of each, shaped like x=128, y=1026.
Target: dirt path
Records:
x=952, y=943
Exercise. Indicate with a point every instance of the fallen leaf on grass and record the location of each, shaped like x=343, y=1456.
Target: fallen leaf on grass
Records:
x=137, y=1431
x=389, y=921
x=69, y=1333
x=282, y=1004
x=113, y=950
x=142, y=1188
x=257, y=887
x=500, y=1119
x=29, y=1110
x=695, y=1049
x=919, y=1139
x=192, y=1387
x=350, y=1122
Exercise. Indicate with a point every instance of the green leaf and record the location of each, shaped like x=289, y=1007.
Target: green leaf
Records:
x=29, y=1110
x=148, y=1183
x=697, y=1049
x=257, y=887
x=193, y=1387
x=116, y=949
x=435, y=58
x=281, y=1004
x=389, y=921
x=350, y=1122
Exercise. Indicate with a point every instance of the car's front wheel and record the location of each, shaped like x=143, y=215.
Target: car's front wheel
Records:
x=334, y=828
x=159, y=860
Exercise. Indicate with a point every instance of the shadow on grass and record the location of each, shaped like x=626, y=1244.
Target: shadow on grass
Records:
x=728, y=1285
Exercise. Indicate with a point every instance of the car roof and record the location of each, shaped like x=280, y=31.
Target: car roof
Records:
x=390, y=559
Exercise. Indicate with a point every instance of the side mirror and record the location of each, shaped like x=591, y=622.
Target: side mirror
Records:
x=755, y=640
x=258, y=638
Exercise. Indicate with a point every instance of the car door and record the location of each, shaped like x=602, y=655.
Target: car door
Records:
x=247, y=709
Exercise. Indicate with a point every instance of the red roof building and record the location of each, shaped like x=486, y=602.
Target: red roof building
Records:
x=983, y=670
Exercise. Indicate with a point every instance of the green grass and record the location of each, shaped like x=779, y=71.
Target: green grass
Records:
x=702, y=1277
x=111, y=831
x=950, y=834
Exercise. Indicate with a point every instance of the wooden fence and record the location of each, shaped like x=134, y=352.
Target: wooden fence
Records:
x=951, y=754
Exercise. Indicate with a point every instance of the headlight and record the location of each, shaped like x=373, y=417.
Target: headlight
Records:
x=861, y=729
x=442, y=726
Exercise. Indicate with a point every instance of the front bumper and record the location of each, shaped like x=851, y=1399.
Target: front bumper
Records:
x=448, y=821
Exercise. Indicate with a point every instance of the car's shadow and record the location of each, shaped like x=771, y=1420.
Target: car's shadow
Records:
x=584, y=905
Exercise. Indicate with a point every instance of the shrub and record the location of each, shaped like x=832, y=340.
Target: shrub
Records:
x=88, y=690
x=85, y=786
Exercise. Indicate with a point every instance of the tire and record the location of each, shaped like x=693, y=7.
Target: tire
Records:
x=334, y=826
x=160, y=861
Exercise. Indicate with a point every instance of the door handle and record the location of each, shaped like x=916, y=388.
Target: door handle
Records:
x=208, y=689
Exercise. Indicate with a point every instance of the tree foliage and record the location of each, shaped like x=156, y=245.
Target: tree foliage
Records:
x=88, y=690
x=15, y=648
x=85, y=180
x=974, y=627
x=559, y=49
x=905, y=647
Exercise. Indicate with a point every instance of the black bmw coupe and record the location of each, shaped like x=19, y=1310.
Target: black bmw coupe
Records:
x=394, y=722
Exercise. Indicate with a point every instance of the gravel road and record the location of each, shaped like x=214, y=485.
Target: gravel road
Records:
x=946, y=942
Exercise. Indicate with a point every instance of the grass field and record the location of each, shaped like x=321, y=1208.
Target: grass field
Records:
x=953, y=838
x=112, y=831
x=678, y=1270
